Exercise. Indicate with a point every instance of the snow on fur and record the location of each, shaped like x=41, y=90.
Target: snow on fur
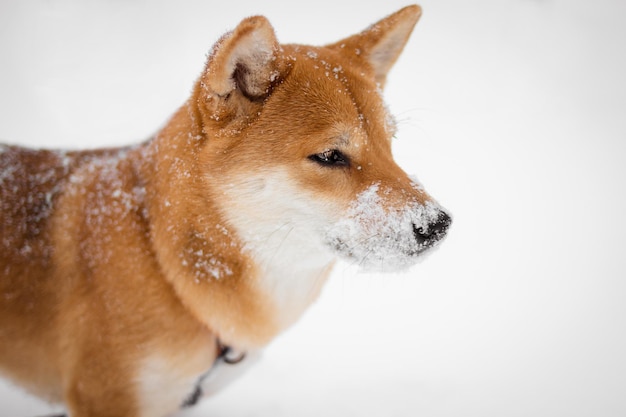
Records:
x=381, y=238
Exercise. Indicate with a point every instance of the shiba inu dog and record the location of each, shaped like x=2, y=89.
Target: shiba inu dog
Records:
x=127, y=276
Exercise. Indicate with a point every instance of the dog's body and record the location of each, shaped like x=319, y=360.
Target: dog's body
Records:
x=124, y=272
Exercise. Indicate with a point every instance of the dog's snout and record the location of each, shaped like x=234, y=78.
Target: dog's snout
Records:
x=434, y=231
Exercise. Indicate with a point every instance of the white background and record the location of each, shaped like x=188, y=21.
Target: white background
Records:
x=512, y=113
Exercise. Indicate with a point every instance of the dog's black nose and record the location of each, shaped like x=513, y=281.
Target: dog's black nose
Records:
x=433, y=231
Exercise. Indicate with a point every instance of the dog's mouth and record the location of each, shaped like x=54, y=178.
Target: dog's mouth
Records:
x=392, y=252
x=376, y=238
x=389, y=248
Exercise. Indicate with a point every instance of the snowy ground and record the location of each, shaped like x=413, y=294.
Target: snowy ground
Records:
x=512, y=114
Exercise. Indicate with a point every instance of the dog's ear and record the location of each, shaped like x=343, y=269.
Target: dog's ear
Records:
x=241, y=68
x=381, y=44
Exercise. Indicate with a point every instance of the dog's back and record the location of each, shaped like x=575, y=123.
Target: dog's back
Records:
x=29, y=185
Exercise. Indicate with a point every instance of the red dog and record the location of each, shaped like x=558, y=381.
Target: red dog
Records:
x=127, y=274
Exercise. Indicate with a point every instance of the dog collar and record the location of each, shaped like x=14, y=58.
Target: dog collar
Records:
x=226, y=354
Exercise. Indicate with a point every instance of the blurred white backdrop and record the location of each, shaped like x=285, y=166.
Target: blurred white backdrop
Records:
x=512, y=113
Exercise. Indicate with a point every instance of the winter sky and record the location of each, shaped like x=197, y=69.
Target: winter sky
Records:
x=512, y=114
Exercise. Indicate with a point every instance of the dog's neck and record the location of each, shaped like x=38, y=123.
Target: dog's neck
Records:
x=282, y=234
x=292, y=271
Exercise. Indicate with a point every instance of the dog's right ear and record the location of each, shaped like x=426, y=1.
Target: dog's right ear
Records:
x=240, y=70
x=381, y=44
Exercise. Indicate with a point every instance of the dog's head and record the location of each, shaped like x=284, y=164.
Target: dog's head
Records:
x=299, y=148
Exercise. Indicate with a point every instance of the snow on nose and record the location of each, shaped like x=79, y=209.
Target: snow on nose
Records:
x=378, y=237
x=433, y=232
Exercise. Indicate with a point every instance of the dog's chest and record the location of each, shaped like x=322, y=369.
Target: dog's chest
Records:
x=291, y=275
x=281, y=229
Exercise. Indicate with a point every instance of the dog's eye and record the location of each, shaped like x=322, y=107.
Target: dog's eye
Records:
x=330, y=157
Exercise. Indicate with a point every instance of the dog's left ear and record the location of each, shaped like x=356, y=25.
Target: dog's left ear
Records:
x=381, y=44
x=241, y=69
